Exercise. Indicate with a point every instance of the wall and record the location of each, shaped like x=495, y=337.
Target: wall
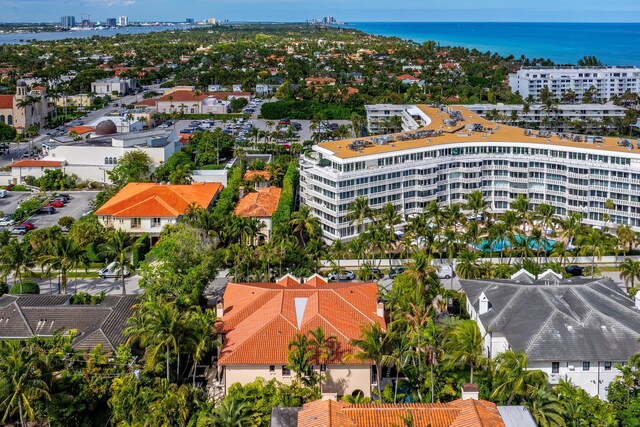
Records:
x=594, y=381
x=145, y=225
x=205, y=175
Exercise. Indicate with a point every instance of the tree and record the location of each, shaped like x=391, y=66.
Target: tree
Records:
x=629, y=272
x=119, y=248
x=133, y=166
x=7, y=133
x=463, y=346
x=232, y=414
x=467, y=265
x=373, y=345
x=546, y=409
x=593, y=242
x=16, y=257
x=513, y=379
x=300, y=360
x=65, y=255
x=476, y=203
x=305, y=224
x=323, y=346
x=358, y=212
x=419, y=268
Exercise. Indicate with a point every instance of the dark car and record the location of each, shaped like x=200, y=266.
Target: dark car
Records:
x=48, y=210
x=65, y=195
x=296, y=125
x=574, y=270
x=395, y=271
x=376, y=274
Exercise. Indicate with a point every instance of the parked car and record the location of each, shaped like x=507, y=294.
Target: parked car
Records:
x=574, y=270
x=55, y=204
x=297, y=126
x=3, y=194
x=29, y=225
x=395, y=271
x=444, y=271
x=112, y=270
x=376, y=274
x=19, y=230
x=6, y=222
x=48, y=210
x=284, y=122
x=65, y=195
x=343, y=276
x=64, y=200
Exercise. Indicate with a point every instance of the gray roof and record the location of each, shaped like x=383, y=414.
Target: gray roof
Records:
x=24, y=316
x=285, y=417
x=516, y=416
x=575, y=319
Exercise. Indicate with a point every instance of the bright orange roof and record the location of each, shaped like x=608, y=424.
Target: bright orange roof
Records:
x=261, y=319
x=407, y=77
x=459, y=413
x=183, y=95
x=253, y=174
x=82, y=129
x=6, y=101
x=36, y=164
x=259, y=205
x=148, y=199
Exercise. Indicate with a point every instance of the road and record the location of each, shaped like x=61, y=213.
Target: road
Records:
x=93, y=286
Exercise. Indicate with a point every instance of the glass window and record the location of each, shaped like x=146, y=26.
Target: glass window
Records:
x=135, y=222
x=555, y=367
x=607, y=366
x=586, y=366
x=155, y=222
x=286, y=372
x=272, y=369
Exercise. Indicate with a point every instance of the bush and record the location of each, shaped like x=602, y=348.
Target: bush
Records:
x=229, y=195
x=27, y=288
x=307, y=110
x=19, y=188
x=92, y=253
x=4, y=288
x=66, y=222
x=281, y=216
x=143, y=247
x=83, y=298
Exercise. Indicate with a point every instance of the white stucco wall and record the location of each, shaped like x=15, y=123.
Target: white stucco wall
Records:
x=146, y=224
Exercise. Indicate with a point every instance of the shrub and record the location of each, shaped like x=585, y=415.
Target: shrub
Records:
x=26, y=288
x=19, y=188
x=228, y=196
x=66, y=222
x=281, y=216
x=4, y=288
x=83, y=298
x=307, y=110
x=142, y=248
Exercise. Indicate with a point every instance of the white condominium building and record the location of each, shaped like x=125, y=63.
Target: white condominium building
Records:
x=608, y=81
x=458, y=152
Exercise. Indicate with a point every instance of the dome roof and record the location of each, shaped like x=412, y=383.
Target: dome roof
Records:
x=21, y=83
x=106, y=127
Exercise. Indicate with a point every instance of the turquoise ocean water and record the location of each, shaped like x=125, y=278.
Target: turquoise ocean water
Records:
x=564, y=43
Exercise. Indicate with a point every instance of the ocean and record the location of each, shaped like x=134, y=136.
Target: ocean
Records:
x=563, y=43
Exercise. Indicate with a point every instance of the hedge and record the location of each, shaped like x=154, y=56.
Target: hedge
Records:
x=282, y=215
x=93, y=254
x=307, y=110
x=27, y=288
x=228, y=196
x=142, y=248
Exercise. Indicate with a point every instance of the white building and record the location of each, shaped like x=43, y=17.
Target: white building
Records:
x=458, y=152
x=608, y=81
x=576, y=329
x=123, y=21
x=113, y=86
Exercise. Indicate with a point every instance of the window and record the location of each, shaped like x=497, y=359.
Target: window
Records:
x=323, y=368
x=135, y=222
x=272, y=369
x=586, y=366
x=286, y=372
x=607, y=366
x=155, y=222
x=555, y=367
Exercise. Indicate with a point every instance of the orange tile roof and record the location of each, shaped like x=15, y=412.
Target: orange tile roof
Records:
x=407, y=77
x=320, y=80
x=38, y=88
x=261, y=204
x=6, y=101
x=148, y=199
x=82, y=129
x=36, y=164
x=148, y=102
x=184, y=95
x=459, y=413
x=260, y=319
x=253, y=174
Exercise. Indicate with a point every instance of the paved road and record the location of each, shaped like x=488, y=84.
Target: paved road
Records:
x=93, y=286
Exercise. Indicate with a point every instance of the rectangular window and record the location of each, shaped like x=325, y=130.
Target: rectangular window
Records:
x=555, y=367
x=155, y=222
x=286, y=372
x=586, y=366
x=272, y=369
x=135, y=222
x=607, y=366
x=323, y=368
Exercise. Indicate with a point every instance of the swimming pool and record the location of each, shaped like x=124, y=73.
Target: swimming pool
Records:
x=499, y=245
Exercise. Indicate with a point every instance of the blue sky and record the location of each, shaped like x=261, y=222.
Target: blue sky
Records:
x=347, y=10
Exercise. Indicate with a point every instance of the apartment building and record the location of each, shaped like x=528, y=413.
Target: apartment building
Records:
x=118, y=86
x=379, y=117
x=608, y=81
x=458, y=152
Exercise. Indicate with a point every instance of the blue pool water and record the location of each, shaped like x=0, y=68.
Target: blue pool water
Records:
x=497, y=245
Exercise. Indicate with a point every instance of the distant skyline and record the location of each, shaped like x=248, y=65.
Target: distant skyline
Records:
x=344, y=10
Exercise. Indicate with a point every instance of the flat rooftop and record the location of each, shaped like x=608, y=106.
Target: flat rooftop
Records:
x=459, y=134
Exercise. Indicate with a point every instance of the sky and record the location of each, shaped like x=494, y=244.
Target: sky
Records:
x=343, y=10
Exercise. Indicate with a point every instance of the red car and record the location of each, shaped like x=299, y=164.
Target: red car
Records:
x=29, y=225
x=56, y=204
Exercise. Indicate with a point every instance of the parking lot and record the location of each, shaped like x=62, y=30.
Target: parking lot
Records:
x=10, y=202
x=79, y=204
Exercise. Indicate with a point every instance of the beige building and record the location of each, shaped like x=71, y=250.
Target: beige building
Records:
x=25, y=108
x=258, y=320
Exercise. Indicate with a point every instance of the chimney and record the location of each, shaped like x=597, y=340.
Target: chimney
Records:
x=380, y=308
x=241, y=192
x=220, y=308
x=470, y=391
x=483, y=303
x=638, y=300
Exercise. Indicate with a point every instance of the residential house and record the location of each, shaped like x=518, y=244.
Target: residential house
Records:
x=576, y=329
x=320, y=81
x=117, y=86
x=35, y=168
x=260, y=178
x=261, y=205
x=146, y=207
x=191, y=102
x=257, y=321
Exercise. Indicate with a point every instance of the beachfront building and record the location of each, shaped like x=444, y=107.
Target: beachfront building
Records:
x=27, y=107
x=257, y=321
x=576, y=329
x=457, y=152
x=607, y=81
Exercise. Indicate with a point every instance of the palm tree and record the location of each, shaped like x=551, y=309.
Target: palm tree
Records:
x=476, y=203
x=434, y=214
x=359, y=211
x=304, y=222
x=16, y=257
x=594, y=243
x=419, y=268
x=467, y=265
x=560, y=251
x=231, y=413
x=65, y=255
x=201, y=340
x=546, y=409
x=514, y=379
x=626, y=237
x=521, y=206
x=373, y=345
x=629, y=272
x=323, y=346
x=545, y=214
x=463, y=345
x=300, y=359
x=119, y=248
x=20, y=380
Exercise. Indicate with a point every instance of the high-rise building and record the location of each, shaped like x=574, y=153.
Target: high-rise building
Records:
x=68, y=21
x=211, y=21
x=111, y=22
x=123, y=21
x=189, y=20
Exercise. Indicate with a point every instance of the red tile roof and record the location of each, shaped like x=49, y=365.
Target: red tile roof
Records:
x=256, y=174
x=259, y=205
x=6, y=101
x=459, y=413
x=148, y=102
x=260, y=319
x=36, y=164
x=82, y=129
x=408, y=77
x=184, y=96
x=38, y=88
x=151, y=200
x=319, y=80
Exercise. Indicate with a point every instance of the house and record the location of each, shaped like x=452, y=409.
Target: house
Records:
x=258, y=320
x=35, y=168
x=260, y=178
x=575, y=329
x=191, y=102
x=261, y=205
x=26, y=316
x=146, y=207
x=117, y=86
x=320, y=81
x=458, y=413
x=407, y=79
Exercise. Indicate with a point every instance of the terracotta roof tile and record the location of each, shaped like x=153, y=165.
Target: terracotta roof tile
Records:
x=82, y=129
x=261, y=204
x=148, y=199
x=253, y=174
x=148, y=102
x=183, y=95
x=36, y=164
x=6, y=101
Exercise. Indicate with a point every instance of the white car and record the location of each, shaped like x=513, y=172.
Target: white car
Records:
x=6, y=222
x=112, y=271
x=444, y=271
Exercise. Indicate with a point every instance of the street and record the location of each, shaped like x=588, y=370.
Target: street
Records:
x=93, y=286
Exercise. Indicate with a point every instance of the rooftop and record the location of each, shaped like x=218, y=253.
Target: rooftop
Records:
x=260, y=204
x=551, y=320
x=183, y=96
x=260, y=319
x=151, y=200
x=6, y=101
x=457, y=133
x=36, y=164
